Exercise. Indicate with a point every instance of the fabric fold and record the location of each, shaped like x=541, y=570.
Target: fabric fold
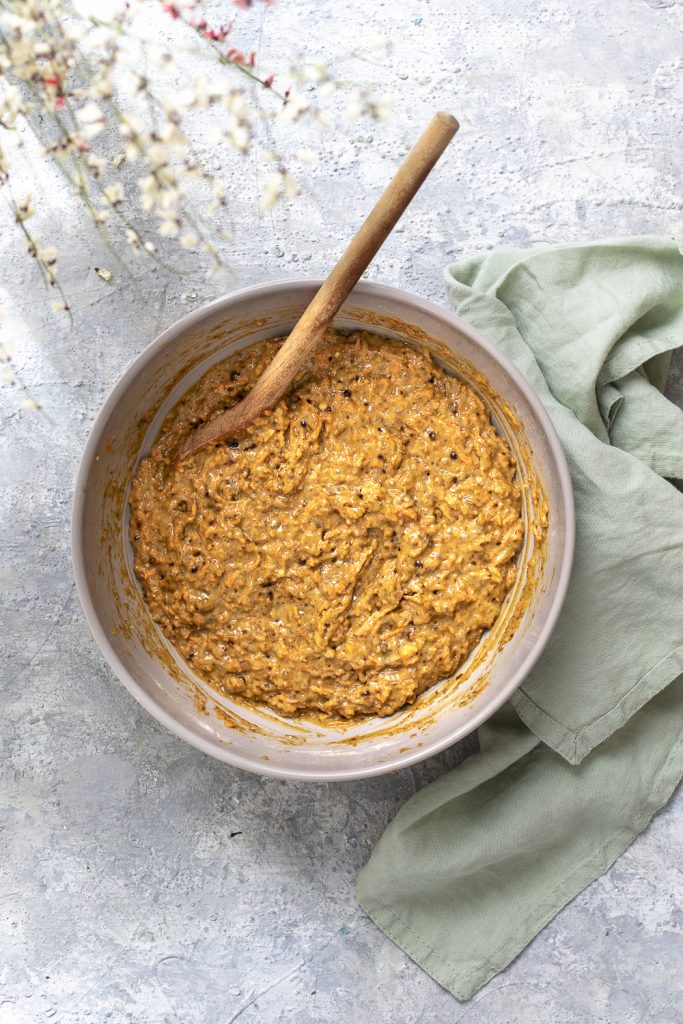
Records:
x=624, y=443
x=466, y=885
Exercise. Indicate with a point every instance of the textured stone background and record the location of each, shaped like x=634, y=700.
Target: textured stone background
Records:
x=141, y=881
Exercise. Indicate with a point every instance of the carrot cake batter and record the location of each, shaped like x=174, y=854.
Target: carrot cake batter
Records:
x=348, y=549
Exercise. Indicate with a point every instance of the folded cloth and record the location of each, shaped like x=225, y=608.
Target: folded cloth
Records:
x=590, y=747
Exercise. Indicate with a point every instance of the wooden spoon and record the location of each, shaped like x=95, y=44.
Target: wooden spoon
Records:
x=308, y=332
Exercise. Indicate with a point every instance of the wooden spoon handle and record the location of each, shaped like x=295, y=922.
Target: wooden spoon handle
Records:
x=308, y=332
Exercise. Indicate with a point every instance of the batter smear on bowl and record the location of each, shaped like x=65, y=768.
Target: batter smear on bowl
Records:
x=349, y=549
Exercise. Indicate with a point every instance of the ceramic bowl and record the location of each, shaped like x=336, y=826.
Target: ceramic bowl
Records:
x=257, y=739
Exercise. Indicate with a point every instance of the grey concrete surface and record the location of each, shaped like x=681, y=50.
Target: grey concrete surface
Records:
x=139, y=880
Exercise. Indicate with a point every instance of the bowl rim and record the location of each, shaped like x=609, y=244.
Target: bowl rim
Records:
x=368, y=289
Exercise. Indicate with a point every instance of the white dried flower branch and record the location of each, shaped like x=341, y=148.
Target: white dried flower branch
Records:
x=109, y=115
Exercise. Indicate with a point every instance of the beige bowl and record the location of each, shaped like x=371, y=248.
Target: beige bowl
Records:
x=260, y=740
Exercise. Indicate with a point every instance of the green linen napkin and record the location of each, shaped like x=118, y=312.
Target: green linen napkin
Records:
x=590, y=746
